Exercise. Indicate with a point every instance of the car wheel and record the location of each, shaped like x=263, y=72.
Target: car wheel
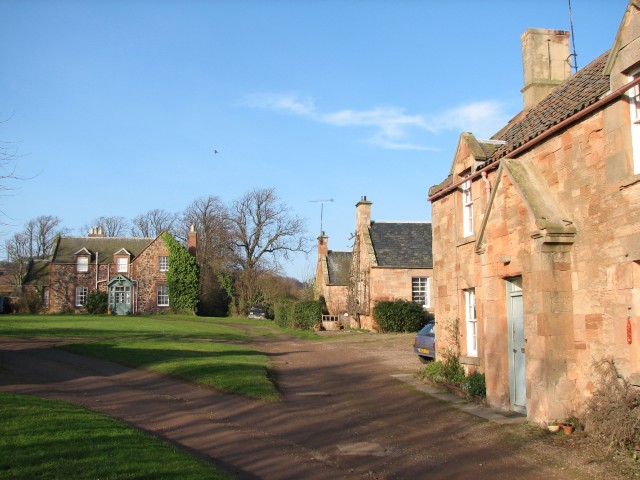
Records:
x=425, y=359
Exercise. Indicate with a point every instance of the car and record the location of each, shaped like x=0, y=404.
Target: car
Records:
x=424, y=344
x=257, y=311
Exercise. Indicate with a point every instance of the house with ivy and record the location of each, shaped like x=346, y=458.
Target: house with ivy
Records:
x=332, y=278
x=537, y=233
x=131, y=271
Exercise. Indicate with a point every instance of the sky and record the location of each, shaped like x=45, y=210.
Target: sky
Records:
x=115, y=108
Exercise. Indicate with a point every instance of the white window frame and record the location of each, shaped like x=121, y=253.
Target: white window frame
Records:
x=162, y=296
x=420, y=291
x=163, y=263
x=634, y=105
x=122, y=264
x=467, y=207
x=471, y=321
x=82, y=264
x=81, y=296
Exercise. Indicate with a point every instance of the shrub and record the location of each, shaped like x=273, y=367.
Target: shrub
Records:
x=97, y=302
x=307, y=315
x=453, y=371
x=475, y=385
x=433, y=370
x=400, y=316
x=613, y=412
x=29, y=302
x=283, y=315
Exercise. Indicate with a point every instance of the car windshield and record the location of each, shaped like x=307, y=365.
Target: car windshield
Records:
x=427, y=329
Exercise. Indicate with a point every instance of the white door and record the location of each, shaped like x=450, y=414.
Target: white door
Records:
x=517, y=367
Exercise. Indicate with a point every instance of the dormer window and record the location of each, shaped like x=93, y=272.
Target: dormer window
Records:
x=83, y=257
x=122, y=258
x=122, y=264
x=82, y=264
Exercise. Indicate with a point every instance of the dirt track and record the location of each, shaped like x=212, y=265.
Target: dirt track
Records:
x=342, y=415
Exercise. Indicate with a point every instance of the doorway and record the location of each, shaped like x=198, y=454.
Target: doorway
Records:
x=120, y=295
x=516, y=346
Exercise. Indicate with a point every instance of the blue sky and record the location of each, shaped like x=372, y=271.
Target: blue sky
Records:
x=116, y=107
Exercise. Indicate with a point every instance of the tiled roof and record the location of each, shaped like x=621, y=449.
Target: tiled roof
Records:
x=575, y=94
x=402, y=244
x=338, y=264
x=105, y=246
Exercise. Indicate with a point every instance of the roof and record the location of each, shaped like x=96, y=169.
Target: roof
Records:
x=37, y=273
x=402, y=244
x=575, y=94
x=338, y=264
x=105, y=247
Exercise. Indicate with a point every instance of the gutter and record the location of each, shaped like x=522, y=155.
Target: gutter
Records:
x=604, y=101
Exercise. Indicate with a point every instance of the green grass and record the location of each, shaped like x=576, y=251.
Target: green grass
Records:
x=228, y=367
x=49, y=439
x=101, y=326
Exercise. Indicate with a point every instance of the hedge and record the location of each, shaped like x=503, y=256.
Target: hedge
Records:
x=400, y=316
x=306, y=315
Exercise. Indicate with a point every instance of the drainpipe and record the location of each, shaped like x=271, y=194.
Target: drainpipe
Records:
x=97, y=266
x=487, y=185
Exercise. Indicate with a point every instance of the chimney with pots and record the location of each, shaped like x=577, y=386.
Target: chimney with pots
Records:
x=363, y=213
x=546, y=61
x=323, y=245
x=193, y=240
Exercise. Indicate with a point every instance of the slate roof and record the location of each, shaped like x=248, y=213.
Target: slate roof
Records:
x=105, y=246
x=338, y=264
x=575, y=94
x=402, y=244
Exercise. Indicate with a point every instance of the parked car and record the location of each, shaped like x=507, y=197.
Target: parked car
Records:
x=257, y=311
x=425, y=343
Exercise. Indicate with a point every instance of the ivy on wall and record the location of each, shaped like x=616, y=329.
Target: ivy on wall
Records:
x=182, y=277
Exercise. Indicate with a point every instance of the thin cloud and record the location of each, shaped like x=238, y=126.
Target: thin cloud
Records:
x=393, y=127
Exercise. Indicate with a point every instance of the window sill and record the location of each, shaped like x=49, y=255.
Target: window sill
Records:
x=468, y=360
x=466, y=240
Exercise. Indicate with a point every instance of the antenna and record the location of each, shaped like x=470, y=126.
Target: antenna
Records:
x=322, y=202
x=573, y=64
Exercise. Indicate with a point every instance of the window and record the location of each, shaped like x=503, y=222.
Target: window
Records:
x=122, y=264
x=82, y=264
x=81, y=296
x=472, y=323
x=467, y=208
x=634, y=102
x=163, y=264
x=420, y=291
x=163, y=296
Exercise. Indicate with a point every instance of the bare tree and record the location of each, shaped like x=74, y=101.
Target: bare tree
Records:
x=8, y=159
x=263, y=232
x=111, y=226
x=153, y=223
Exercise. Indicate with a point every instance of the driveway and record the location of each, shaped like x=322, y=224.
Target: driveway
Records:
x=343, y=415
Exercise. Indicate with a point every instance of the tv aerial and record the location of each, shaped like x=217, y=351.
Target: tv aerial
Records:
x=322, y=202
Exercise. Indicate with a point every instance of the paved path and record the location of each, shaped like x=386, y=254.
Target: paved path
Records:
x=343, y=414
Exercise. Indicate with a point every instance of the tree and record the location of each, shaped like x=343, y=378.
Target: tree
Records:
x=153, y=223
x=182, y=277
x=263, y=231
x=209, y=217
x=111, y=226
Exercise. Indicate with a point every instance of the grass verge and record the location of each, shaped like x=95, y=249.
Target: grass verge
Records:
x=50, y=439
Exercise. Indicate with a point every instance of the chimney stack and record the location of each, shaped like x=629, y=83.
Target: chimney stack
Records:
x=546, y=62
x=363, y=213
x=193, y=240
x=323, y=245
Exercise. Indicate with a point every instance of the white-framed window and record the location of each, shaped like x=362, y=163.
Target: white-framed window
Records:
x=45, y=297
x=82, y=264
x=122, y=264
x=471, y=322
x=163, y=296
x=467, y=208
x=81, y=296
x=163, y=263
x=634, y=103
x=420, y=291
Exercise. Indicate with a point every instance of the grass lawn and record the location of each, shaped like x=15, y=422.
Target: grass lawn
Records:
x=193, y=348
x=53, y=440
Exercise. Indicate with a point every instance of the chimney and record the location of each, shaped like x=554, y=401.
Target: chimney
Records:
x=193, y=240
x=363, y=213
x=546, y=63
x=323, y=245
x=96, y=232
